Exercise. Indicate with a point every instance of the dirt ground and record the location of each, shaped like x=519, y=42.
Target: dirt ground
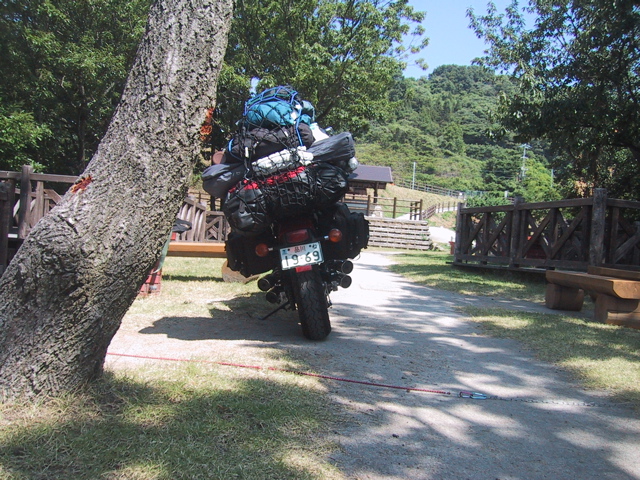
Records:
x=388, y=330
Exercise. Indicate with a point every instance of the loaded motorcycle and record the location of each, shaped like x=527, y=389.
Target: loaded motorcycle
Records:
x=281, y=183
x=309, y=256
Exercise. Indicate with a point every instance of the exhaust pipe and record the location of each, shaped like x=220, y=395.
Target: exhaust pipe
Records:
x=346, y=267
x=273, y=296
x=266, y=283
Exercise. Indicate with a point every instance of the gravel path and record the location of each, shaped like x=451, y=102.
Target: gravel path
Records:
x=391, y=331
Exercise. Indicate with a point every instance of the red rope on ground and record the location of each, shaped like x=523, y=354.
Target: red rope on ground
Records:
x=296, y=372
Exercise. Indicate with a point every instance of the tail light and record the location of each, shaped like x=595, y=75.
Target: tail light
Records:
x=297, y=236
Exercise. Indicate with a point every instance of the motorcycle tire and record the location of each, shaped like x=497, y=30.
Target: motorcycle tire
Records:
x=311, y=302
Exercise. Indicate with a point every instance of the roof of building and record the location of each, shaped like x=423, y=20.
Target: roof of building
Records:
x=371, y=174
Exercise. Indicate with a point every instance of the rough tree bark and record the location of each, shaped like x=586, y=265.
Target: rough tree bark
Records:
x=63, y=296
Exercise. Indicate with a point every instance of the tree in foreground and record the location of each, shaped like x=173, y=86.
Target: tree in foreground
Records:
x=579, y=75
x=63, y=296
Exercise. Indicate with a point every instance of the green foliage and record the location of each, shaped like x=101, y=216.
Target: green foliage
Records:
x=19, y=134
x=341, y=56
x=578, y=84
x=64, y=64
x=443, y=124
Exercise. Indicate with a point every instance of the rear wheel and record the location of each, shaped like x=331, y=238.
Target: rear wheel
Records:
x=311, y=301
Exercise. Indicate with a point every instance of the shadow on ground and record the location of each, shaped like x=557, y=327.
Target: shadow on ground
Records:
x=390, y=331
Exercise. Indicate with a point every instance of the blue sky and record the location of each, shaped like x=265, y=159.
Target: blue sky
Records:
x=451, y=41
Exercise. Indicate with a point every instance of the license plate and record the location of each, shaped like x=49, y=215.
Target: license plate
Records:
x=301, y=255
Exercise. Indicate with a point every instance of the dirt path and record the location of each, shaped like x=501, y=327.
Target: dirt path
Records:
x=389, y=330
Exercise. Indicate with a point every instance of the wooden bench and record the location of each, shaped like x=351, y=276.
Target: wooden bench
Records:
x=180, y=248
x=617, y=294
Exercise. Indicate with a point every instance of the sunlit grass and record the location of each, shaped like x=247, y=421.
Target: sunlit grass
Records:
x=431, y=269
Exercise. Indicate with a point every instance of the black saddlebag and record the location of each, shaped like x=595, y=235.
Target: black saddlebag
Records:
x=354, y=228
x=241, y=254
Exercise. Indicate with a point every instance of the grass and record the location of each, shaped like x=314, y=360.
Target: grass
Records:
x=604, y=357
x=431, y=269
x=178, y=420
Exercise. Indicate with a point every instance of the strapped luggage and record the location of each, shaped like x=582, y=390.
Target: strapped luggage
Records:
x=261, y=142
x=338, y=150
x=219, y=178
x=354, y=228
x=241, y=254
x=277, y=106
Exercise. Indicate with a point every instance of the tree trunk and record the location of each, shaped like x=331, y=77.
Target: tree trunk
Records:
x=63, y=296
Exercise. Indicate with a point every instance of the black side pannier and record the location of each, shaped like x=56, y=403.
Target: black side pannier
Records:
x=354, y=228
x=246, y=208
x=241, y=254
x=332, y=182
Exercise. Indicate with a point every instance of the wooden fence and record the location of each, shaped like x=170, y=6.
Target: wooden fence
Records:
x=41, y=192
x=421, y=187
x=395, y=233
x=567, y=234
x=384, y=207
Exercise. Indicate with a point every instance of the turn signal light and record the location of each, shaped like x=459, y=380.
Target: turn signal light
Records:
x=335, y=235
x=262, y=250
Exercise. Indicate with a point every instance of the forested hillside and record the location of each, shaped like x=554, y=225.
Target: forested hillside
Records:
x=442, y=123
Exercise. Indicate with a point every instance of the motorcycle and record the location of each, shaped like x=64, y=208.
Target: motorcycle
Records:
x=309, y=257
x=281, y=178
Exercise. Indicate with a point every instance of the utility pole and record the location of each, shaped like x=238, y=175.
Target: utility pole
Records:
x=523, y=168
x=413, y=180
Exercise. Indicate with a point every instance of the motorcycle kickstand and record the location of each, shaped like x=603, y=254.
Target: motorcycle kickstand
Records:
x=280, y=307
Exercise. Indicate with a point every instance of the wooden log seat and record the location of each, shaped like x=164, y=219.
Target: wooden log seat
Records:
x=179, y=248
x=617, y=300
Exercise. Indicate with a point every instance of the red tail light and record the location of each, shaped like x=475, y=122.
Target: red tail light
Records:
x=297, y=236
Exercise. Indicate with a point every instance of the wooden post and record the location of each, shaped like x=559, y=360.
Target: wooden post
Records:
x=368, y=205
x=459, y=235
x=24, y=215
x=395, y=202
x=598, y=217
x=514, y=241
x=6, y=208
x=420, y=214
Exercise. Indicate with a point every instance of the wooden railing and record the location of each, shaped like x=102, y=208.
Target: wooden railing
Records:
x=567, y=234
x=441, y=207
x=41, y=192
x=386, y=207
x=421, y=187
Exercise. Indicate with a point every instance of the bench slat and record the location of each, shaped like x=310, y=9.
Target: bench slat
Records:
x=617, y=287
x=179, y=248
x=614, y=272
